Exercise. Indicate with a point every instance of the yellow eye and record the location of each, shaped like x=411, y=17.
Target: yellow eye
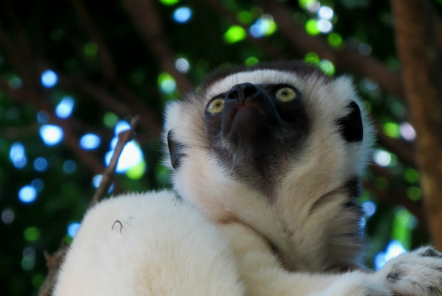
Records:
x=285, y=94
x=215, y=106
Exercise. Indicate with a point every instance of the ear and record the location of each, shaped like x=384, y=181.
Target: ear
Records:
x=350, y=126
x=174, y=150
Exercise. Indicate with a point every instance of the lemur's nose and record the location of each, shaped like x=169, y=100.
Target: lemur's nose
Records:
x=242, y=91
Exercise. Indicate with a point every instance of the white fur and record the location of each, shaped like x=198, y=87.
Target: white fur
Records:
x=163, y=246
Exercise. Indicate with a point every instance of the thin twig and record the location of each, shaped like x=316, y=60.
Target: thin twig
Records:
x=123, y=138
x=54, y=261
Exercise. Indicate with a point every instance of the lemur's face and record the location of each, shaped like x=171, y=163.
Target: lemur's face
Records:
x=261, y=123
x=257, y=123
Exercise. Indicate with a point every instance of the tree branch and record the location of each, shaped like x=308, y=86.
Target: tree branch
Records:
x=123, y=138
x=147, y=22
x=422, y=76
x=395, y=196
x=86, y=21
x=150, y=120
x=346, y=60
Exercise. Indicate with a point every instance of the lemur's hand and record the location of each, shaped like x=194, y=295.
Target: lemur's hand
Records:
x=417, y=273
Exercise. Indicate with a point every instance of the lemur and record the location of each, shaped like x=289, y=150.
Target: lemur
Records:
x=271, y=155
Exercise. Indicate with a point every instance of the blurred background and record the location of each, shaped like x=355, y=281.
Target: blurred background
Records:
x=74, y=73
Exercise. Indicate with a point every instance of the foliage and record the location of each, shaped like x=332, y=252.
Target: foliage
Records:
x=109, y=66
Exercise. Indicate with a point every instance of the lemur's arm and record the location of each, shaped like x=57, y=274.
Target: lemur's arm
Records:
x=417, y=273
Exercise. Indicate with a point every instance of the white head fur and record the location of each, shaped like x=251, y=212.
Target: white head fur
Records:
x=308, y=214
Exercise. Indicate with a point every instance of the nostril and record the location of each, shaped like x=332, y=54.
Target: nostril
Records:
x=249, y=91
x=233, y=94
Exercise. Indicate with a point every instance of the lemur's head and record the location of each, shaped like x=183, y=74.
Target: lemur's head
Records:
x=278, y=147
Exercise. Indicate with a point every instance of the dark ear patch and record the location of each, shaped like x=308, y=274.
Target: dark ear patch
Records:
x=174, y=150
x=350, y=126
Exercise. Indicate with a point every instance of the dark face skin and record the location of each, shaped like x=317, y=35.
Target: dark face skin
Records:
x=256, y=129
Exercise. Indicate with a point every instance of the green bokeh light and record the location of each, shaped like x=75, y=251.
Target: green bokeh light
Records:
x=414, y=193
x=381, y=183
x=235, y=34
x=169, y=2
x=402, y=225
x=250, y=61
x=28, y=263
x=271, y=27
x=90, y=49
x=411, y=175
x=38, y=280
x=327, y=67
x=110, y=119
x=245, y=17
x=312, y=58
x=32, y=234
x=137, y=171
x=306, y=3
x=334, y=39
x=392, y=129
x=311, y=26
x=166, y=83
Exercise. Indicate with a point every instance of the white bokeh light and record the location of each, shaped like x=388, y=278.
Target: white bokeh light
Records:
x=325, y=13
x=130, y=156
x=382, y=158
x=182, y=65
x=324, y=26
x=407, y=131
x=51, y=134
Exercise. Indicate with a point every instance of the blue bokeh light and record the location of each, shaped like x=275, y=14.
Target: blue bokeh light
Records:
x=73, y=229
x=49, y=78
x=38, y=184
x=96, y=180
x=40, y=164
x=121, y=126
x=182, y=15
x=17, y=155
x=43, y=117
x=69, y=166
x=394, y=249
x=261, y=27
x=90, y=141
x=130, y=156
x=65, y=107
x=369, y=208
x=51, y=134
x=27, y=194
